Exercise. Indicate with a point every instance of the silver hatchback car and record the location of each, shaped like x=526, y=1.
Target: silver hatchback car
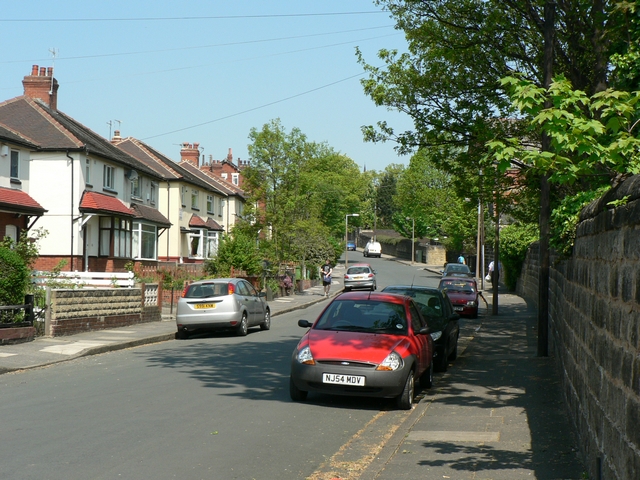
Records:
x=219, y=304
x=360, y=275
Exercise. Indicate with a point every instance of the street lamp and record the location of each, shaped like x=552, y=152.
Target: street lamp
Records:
x=346, y=237
x=413, y=238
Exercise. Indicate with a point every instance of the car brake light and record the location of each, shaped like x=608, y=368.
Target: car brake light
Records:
x=231, y=288
x=184, y=292
x=371, y=275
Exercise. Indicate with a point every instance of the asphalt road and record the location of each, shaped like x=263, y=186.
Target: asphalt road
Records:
x=214, y=407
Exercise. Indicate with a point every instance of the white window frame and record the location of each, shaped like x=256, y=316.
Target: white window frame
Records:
x=196, y=235
x=135, y=187
x=144, y=235
x=210, y=204
x=114, y=232
x=183, y=196
x=195, y=199
x=11, y=231
x=223, y=175
x=87, y=171
x=14, y=169
x=153, y=193
x=235, y=178
x=108, y=177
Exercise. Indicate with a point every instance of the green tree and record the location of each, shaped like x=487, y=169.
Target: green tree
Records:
x=300, y=186
x=237, y=250
x=426, y=198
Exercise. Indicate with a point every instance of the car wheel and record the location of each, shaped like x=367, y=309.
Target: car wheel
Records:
x=454, y=354
x=347, y=289
x=405, y=400
x=374, y=287
x=426, y=379
x=266, y=325
x=442, y=362
x=296, y=394
x=243, y=327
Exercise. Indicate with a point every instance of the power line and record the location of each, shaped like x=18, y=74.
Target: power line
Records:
x=256, y=108
x=162, y=19
x=215, y=45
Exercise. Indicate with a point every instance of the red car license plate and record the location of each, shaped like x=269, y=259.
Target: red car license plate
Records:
x=354, y=380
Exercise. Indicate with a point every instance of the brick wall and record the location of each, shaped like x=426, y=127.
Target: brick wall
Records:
x=594, y=331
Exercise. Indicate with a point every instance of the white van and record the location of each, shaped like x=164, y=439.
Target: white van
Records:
x=373, y=249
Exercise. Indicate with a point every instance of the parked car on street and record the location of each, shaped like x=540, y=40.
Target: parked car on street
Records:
x=219, y=304
x=360, y=275
x=463, y=293
x=372, y=249
x=351, y=246
x=438, y=311
x=364, y=344
x=456, y=270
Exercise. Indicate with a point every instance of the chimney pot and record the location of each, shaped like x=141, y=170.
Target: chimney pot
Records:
x=43, y=71
x=34, y=70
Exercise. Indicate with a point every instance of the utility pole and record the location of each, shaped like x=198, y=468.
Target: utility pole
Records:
x=545, y=204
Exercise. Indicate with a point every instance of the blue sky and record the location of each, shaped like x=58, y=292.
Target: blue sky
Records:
x=207, y=71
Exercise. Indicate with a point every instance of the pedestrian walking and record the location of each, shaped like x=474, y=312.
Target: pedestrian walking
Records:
x=326, y=270
x=494, y=273
x=462, y=260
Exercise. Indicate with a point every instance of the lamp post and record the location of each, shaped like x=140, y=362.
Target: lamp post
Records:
x=413, y=238
x=346, y=237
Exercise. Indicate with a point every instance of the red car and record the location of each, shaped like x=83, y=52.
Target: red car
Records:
x=463, y=293
x=365, y=344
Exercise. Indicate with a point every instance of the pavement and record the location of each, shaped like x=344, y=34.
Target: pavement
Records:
x=497, y=413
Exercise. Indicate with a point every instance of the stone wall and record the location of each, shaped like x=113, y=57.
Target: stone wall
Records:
x=80, y=310
x=594, y=331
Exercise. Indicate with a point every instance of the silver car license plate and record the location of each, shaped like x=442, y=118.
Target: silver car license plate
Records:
x=353, y=380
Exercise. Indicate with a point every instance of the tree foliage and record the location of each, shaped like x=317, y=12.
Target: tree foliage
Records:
x=237, y=250
x=15, y=277
x=514, y=242
x=301, y=191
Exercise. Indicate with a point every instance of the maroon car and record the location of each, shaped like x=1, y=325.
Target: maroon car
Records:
x=463, y=293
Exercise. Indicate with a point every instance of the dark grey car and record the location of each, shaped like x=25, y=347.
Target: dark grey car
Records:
x=221, y=303
x=437, y=309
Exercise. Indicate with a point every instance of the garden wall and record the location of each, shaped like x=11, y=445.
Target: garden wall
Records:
x=80, y=310
x=594, y=331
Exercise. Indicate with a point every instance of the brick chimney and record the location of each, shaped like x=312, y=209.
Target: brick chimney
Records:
x=116, y=137
x=190, y=153
x=41, y=85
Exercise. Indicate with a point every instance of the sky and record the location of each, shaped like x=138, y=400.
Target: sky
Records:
x=207, y=71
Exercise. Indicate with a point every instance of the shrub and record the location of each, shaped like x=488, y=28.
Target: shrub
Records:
x=15, y=277
x=514, y=242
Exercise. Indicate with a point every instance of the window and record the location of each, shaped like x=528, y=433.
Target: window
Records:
x=11, y=231
x=195, y=243
x=194, y=200
x=115, y=237
x=87, y=171
x=203, y=243
x=108, y=177
x=212, y=244
x=235, y=178
x=223, y=175
x=183, y=196
x=220, y=206
x=153, y=193
x=135, y=186
x=15, y=164
x=145, y=241
x=210, y=203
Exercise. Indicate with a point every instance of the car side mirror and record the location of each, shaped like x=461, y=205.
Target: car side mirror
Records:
x=304, y=323
x=262, y=294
